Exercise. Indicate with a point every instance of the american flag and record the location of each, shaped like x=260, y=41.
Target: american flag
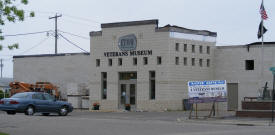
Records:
x=263, y=12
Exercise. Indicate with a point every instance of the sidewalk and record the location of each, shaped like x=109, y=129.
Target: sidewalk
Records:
x=228, y=118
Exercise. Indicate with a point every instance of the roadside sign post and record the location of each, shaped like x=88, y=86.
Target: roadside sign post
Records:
x=272, y=69
x=210, y=91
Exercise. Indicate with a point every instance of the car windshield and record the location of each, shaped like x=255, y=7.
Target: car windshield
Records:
x=20, y=95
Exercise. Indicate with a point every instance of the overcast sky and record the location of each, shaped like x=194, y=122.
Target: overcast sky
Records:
x=235, y=21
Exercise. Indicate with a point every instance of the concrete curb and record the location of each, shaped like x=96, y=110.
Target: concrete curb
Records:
x=229, y=122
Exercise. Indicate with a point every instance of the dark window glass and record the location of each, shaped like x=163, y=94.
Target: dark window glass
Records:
x=177, y=47
x=159, y=60
x=177, y=60
x=208, y=63
x=104, y=85
x=200, y=62
x=208, y=50
x=145, y=60
x=127, y=76
x=249, y=64
x=110, y=61
x=193, y=48
x=119, y=61
x=185, y=47
x=97, y=62
x=193, y=61
x=152, y=85
x=185, y=61
x=134, y=61
x=201, y=49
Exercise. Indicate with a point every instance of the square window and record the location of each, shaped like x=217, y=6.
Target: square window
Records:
x=249, y=64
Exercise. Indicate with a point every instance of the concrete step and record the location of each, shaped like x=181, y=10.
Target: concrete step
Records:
x=255, y=113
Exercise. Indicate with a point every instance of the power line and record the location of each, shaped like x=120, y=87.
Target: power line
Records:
x=73, y=43
x=23, y=34
x=36, y=45
x=74, y=35
x=81, y=18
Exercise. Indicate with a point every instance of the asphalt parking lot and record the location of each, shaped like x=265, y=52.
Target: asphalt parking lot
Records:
x=120, y=123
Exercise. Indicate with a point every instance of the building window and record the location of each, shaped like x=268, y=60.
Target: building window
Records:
x=185, y=47
x=177, y=47
x=208, y=63
x=104, y=85
x=249, y=64
x=119, y=61
x=152, y=85
x=159, y=60
x=193, y=48
x=208, y=50
x=110, y=62
x=193, y=61
x=200, y=48
x=177, y=60
x=185, y=61
x=135, y=61
x=200, y=61
x=145, y=60
x=97, y=62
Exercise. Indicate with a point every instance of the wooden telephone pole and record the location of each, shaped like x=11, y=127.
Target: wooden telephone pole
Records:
x=56, y=36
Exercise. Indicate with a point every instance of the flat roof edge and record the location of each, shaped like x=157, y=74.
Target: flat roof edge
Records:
x=131, y=23
x=50, y=55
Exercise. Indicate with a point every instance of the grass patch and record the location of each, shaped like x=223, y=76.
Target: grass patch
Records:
x=3, y=133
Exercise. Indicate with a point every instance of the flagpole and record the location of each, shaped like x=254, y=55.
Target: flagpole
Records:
x=262, y=50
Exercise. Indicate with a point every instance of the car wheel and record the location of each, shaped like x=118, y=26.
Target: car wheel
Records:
x=45, y=114
x=29, y=110
x=63, y=111
x=11, y=112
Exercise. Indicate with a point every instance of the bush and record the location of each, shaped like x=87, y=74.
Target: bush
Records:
x=2, y=94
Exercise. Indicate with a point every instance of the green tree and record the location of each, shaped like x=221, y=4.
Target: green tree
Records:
x=10, y=13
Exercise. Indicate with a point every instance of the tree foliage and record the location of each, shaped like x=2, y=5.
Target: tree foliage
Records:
x=10, y=13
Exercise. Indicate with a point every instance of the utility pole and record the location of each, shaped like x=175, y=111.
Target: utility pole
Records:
x=1, y=66
x=56, y=36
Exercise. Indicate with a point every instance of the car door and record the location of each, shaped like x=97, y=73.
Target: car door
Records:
x=52, y=105
x=39, y=102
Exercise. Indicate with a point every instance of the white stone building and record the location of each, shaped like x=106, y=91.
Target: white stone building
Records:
x=147, y=66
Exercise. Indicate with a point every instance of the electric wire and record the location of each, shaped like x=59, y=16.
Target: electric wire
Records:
x=23, y=34
x=75, y=35
x=34, y=46
x=73, y=43
x=81, y=18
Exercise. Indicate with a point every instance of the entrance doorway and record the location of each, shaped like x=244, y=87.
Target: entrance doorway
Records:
x=232, y=91
x=127, y=89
